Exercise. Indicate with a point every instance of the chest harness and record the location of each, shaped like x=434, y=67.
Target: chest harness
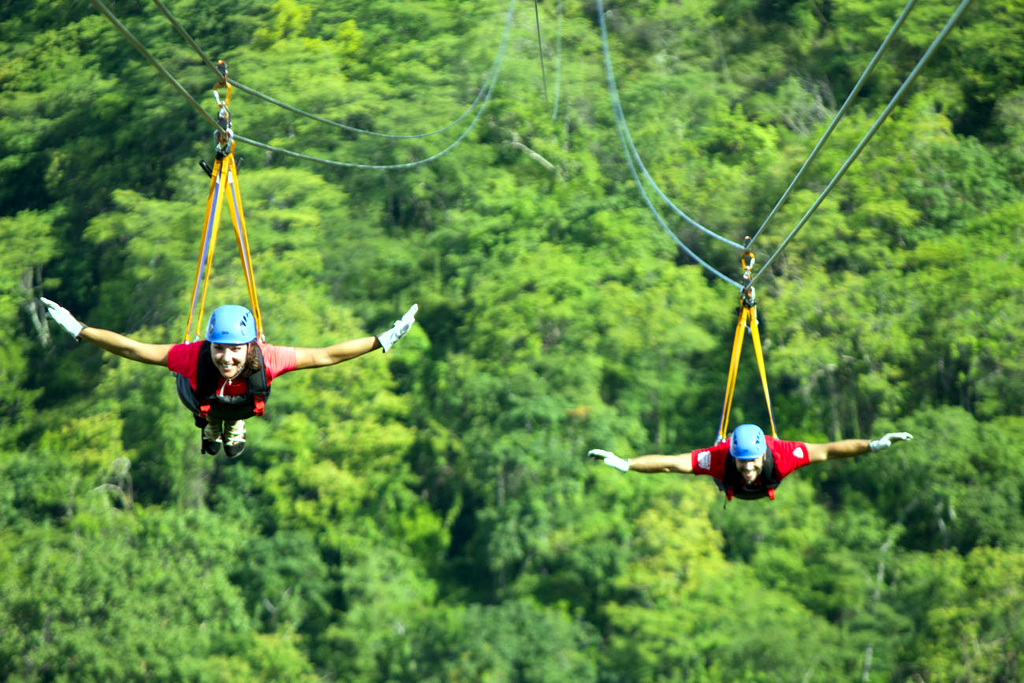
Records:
x=206, y=404
x=734, y=485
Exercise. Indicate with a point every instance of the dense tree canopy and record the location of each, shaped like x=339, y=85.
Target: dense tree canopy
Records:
x=429, y=515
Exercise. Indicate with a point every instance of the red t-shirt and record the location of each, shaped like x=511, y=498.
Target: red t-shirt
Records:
x=789, y=456
x=184, y=360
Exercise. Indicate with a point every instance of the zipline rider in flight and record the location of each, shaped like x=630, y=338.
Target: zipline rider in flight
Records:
x=226, y=378
x=749, y=465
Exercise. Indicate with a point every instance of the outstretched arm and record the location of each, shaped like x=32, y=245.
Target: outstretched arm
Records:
x=153, y=354
x=651, y=464
x=118, y=344
x=336, y=353
x=847, y=448
x=851, y=448
x=347, y=350
x=647, y=464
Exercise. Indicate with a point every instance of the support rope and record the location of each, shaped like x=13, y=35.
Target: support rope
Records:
x=224, y=174
x=747, y=319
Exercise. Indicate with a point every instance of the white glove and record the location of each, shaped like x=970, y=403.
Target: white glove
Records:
x=610, y=459
x=399, y=329
x=62, y=317
x=887, y=440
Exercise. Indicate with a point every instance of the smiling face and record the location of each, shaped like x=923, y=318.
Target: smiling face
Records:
x=229, y=358
x=750, y=470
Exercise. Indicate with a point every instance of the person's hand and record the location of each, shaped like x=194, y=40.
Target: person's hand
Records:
x=609, y=458
x=888, y=440
x=399, y=329
x=62, y=317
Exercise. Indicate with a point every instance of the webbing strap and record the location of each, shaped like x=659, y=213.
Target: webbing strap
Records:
x=747, y=318
x=756, y=336
x=203, y=264
x=730, y=384
x=224, y=176
x=242, y=238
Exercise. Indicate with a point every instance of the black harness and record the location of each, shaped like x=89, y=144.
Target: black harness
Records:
x=206, y=404
x=734, y=485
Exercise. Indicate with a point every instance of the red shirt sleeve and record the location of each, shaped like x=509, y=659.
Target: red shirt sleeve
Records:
x=789, y=455
x=184, y=360
x=277, y=359
x=710, y=460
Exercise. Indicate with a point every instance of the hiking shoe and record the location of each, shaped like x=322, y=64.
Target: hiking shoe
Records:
x=234, y=438
x=212, y=437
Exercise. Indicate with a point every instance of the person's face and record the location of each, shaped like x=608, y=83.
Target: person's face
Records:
x=750, y=469
x=229, y=358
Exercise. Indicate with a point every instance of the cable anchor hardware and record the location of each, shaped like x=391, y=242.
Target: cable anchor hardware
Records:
x=224, y=136
x=746, y=279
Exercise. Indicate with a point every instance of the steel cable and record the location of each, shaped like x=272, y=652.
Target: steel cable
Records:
x=867, y=137
x=838, y=117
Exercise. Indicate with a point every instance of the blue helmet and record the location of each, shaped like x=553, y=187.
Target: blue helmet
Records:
x=231, y=324
x=747, y=442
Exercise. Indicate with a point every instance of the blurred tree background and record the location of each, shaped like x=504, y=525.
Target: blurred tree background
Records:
x=430, y=515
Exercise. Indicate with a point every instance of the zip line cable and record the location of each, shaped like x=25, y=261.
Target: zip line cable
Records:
x=619, y=127
x=188, y=39
x=159, y=67
x=489, y=90
x=540, y=50
x=632, y=150
x=558, y=60
x=867, y=137
x=411, y=164
x=363, y=131
x=679, y=212
x=838, y=117
x=295, y=110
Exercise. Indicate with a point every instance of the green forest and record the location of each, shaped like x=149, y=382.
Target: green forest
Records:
x=430, y=515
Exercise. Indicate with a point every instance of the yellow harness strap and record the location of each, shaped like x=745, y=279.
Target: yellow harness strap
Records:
x=756, y=336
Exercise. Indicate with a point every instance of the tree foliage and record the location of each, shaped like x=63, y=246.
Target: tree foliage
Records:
x=428, y=515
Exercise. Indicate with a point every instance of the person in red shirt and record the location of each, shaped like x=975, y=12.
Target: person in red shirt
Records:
x=749, y=465
x=226, y=378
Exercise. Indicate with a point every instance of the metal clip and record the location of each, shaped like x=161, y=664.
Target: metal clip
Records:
x=746, y=289
x=225, y=136
x=224, y=139
x=747, y=295
x=222, y=69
